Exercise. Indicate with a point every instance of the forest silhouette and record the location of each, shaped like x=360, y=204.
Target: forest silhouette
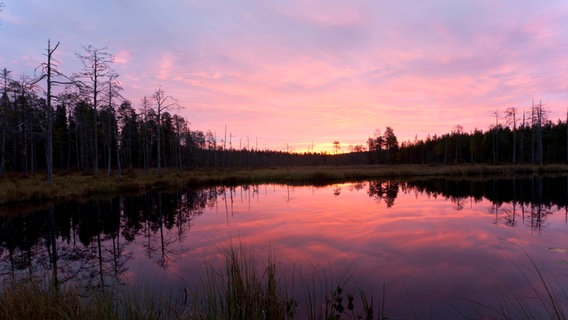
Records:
x=88, y=125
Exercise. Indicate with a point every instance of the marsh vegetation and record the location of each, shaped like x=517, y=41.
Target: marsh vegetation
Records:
x=20, y=188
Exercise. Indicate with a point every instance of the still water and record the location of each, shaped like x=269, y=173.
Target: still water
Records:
x=438, y=248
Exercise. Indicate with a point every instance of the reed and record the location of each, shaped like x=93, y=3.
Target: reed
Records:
x=545, y=299
x=31, y=300
x=243, y=288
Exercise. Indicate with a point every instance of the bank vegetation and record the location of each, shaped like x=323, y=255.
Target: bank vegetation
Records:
x=18, y=188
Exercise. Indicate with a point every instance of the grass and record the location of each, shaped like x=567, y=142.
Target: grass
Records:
x=243, y=288
x=18, y=188
x=32, y=301
x=243, y=291
x=545, y=299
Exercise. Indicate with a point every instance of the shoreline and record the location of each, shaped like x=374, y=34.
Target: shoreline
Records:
x=27, y=190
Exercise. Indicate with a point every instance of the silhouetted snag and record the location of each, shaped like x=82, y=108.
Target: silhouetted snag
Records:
x=96, y=66
x=49, y=136
x=163, y=102
x=4, y=109
x=537, y=119
x=511, y=114
x=496, y=138
x=111, y=131
x=522, y=144
x=50, y=72
x=146, y=145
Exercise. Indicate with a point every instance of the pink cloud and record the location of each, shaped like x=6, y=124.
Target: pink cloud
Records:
x=122, y=57
x=300, y=71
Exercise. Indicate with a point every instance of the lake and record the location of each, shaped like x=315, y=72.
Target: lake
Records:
x=431, y=248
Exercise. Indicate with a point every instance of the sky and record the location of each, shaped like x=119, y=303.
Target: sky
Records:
x=299, y=74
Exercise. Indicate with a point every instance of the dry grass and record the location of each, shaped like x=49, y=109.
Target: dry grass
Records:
x=18, y=189
x=247, y=289
x=32, y=301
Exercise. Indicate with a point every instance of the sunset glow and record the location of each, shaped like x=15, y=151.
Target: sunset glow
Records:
x=298, y=75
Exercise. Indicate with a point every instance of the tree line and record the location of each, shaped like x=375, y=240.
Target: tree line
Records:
x=89, y=126
x=517, y=137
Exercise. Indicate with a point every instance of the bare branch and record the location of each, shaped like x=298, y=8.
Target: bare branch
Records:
x=96, y=66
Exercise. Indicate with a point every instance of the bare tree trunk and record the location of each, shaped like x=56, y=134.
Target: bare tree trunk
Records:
x=49, y=137
x=178, y=146
x=69, y=145
x=146, y=147
x=3, y=112
x=159, y=140
x=163, y=102
x=540, y=153
x=514, y=136
x=496, y=139
x=96, y=63
x=96, y=120
x=533, y=127
x=522, y=150
x=118, y=164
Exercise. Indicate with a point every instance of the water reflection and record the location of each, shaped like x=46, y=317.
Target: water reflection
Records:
x=427, y=240
x=387, y=191
x=536, y=197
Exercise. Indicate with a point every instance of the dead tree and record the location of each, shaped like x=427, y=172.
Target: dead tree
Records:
x=49, y=137
x=96, y=66
x=146, y=146
x=522, y=144
x=538, y=117
x=112, y=128
x=496, y=139
x=49, y=73
x=511, y=114
x=163, y=102
x=4, y=107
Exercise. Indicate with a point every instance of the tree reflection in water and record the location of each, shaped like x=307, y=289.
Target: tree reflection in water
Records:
x=90, y=242
x=536, y=196
x=384, y=190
